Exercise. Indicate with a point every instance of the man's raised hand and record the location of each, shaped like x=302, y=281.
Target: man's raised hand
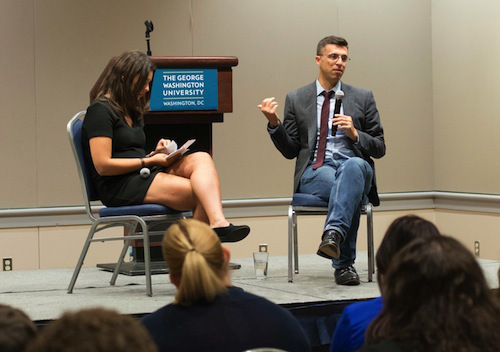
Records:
x=268, y=108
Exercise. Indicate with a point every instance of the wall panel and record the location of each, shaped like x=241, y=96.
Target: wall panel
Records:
x=391, y=55
x=74, y=42
x=465, y=56
x=431, y=65
x=18, y=186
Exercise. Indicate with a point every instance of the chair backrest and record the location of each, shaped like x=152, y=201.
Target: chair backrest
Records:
x=74, y=129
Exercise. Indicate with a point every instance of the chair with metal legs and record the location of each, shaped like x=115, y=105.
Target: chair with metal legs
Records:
x=138, y=219
x=307, y=204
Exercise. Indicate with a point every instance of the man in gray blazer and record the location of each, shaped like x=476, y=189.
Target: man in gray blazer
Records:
x=333, y=151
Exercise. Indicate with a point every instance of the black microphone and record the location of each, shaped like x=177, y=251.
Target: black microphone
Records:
x=149, y=29
x=339, y=95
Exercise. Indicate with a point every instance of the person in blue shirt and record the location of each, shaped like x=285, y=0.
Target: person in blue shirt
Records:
x=349, y=333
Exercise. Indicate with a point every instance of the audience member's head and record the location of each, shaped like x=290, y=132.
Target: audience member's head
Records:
x=16, y=329
x=123, y=81
x=197, y=262
x=93, y=330
x=436, y=299
x=401, y=232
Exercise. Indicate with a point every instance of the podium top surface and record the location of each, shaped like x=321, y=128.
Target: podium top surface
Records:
x=195, y=61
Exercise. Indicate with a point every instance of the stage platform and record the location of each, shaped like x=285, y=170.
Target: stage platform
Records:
x=42, y=293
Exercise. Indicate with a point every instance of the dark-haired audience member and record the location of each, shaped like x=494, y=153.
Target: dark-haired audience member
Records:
x=16, y=329
x=349, y=333
x=435, y=299
x=209, y=314
x=93, y=330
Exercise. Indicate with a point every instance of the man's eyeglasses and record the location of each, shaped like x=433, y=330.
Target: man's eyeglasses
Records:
x=335, y=57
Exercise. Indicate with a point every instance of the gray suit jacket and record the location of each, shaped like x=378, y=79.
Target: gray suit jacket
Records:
x=296, y=136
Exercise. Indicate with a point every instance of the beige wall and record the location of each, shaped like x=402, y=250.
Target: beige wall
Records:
x=55, y=247
x=413, y=54
x=18, y=132
x=466, y=54
x=53, y=50
x=41, y=248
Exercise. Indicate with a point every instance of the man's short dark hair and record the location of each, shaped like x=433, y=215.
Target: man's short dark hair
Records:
x=16, y=329
x=330, y=40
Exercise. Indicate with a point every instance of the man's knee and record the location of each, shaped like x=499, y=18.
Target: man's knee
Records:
x=358, y=165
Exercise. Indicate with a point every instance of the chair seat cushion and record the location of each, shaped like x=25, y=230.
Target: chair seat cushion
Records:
x=308, y=200
x=139, y=210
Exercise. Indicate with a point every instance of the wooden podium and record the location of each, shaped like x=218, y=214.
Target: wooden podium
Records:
x=187, y=124
x=182, y=125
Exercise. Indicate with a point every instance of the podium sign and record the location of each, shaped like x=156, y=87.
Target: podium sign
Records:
x=184, y=89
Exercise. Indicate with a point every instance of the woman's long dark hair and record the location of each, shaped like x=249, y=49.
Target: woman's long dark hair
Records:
x=401, y=232
x=123, y=79
x=436, y=299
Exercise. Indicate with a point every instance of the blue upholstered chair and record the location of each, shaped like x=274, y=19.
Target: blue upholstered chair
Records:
x=138, y=219
x=307, y=204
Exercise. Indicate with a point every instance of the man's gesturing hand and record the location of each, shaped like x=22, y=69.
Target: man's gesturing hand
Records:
x=268, y=108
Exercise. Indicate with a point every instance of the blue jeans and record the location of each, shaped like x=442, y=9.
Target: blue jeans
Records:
x=345, y=185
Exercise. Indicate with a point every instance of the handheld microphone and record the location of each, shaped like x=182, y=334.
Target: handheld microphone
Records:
x=339, y=95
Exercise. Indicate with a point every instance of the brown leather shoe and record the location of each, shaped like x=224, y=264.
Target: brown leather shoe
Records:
x=330, y=245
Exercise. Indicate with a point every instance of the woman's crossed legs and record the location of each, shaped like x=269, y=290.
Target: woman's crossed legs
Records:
x=193, y=183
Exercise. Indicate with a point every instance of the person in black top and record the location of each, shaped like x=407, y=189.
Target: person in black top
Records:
x=209, y=314
x=114, y=140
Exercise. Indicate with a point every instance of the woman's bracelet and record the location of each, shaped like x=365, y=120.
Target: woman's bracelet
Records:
x=143, y=163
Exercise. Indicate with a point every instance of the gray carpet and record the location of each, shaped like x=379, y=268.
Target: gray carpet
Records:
x=42, y=293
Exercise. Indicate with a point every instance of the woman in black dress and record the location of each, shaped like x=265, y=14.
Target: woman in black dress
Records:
x=114, y=141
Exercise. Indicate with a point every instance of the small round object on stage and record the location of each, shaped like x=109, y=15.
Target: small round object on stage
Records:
x=145, y=172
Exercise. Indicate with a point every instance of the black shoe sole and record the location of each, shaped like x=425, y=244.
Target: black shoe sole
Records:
x=350, y=282
x=232, y=233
